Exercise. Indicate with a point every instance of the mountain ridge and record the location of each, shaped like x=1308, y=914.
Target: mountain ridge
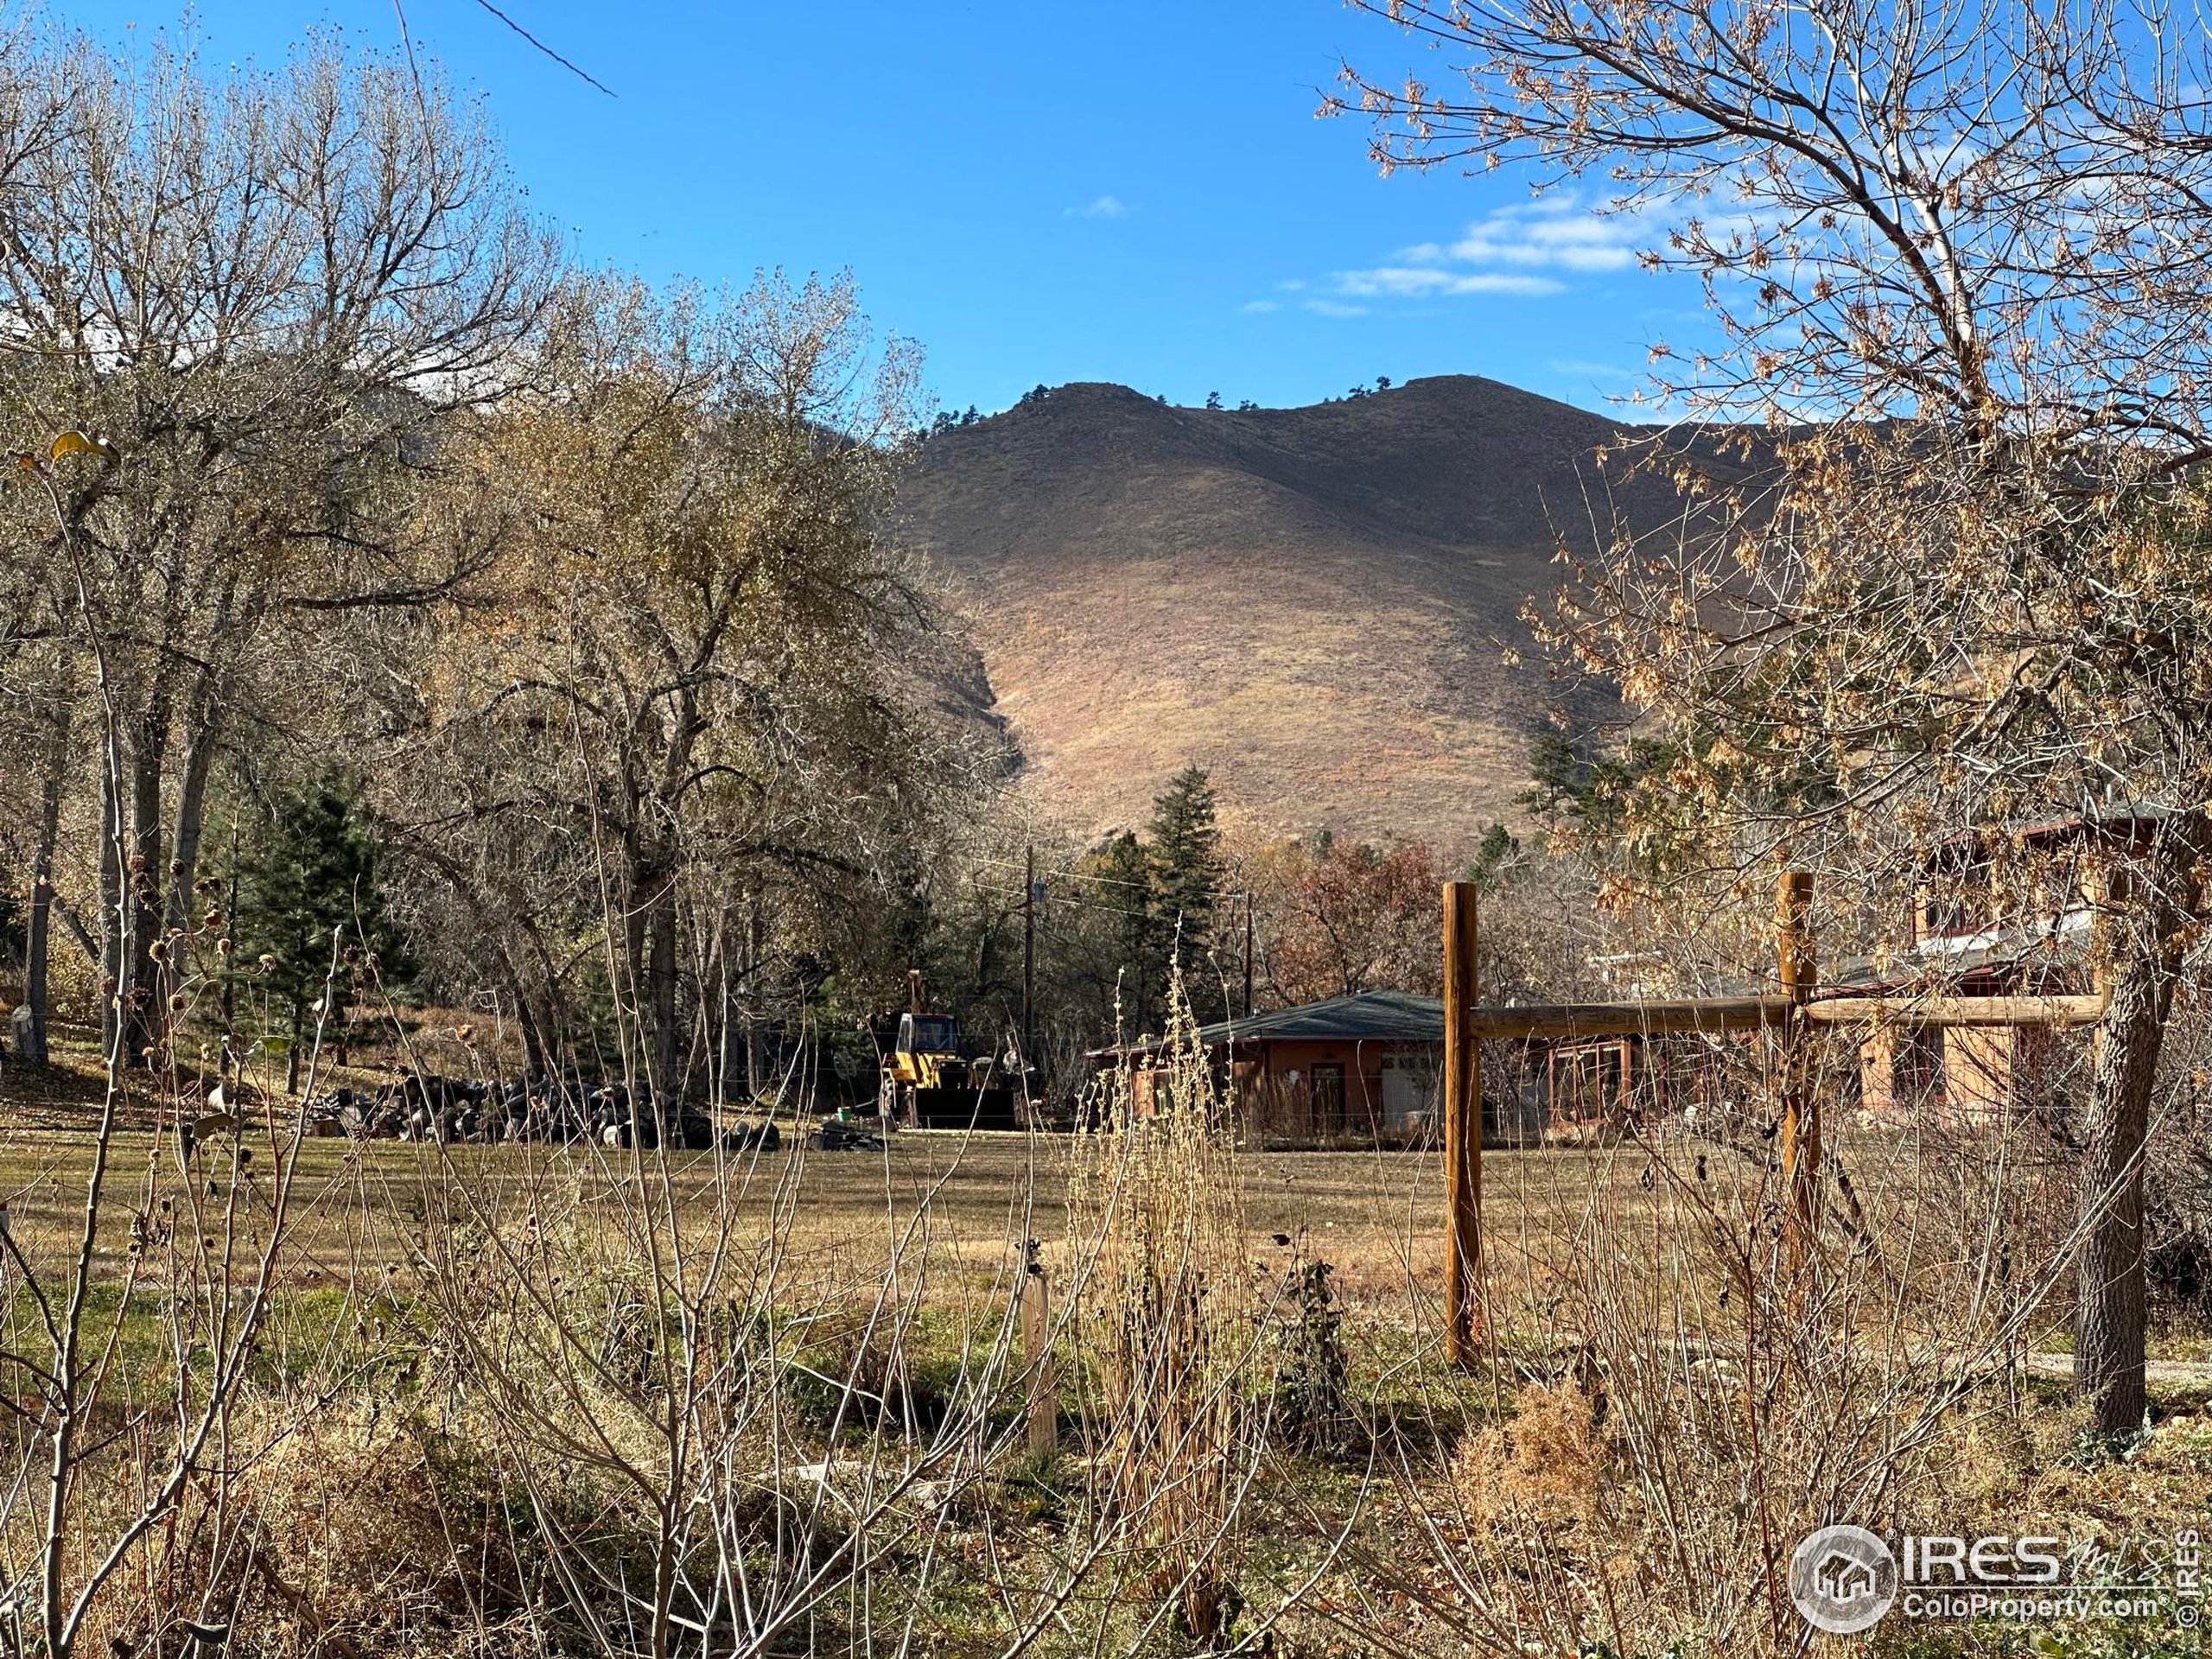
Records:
x=1316, y=604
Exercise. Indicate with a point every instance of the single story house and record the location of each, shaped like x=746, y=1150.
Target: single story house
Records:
x=1367, y=1066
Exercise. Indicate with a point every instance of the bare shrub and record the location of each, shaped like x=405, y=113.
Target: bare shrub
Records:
x=700, y=1465
x=1167, y=1321
x=368, y=1534
x=1687, y=1406
x=144, y=1366
x=1549, y=1459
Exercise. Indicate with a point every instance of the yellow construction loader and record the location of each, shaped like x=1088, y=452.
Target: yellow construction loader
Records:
x=927, y=1083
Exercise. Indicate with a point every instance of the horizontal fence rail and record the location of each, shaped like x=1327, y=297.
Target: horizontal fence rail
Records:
x=1467, y=1025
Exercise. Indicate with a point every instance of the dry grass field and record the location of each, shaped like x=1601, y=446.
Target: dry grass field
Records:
x=841, y=1212
x=1374, y=1216
x=1644, y=1365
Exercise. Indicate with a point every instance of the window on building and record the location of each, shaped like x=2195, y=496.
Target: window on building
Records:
x=1408, y=1089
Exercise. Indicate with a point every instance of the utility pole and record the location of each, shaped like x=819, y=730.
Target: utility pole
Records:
x=1247, y=954
x=1463, y=1130
x=1029, y=954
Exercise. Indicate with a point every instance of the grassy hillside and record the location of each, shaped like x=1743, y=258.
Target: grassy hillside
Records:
x=1315, y=604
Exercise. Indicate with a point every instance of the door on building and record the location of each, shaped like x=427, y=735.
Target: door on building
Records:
x=1328, y=1100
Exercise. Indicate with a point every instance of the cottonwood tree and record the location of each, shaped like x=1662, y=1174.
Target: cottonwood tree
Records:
x=201, y=1270
x=1955, y=264
x=259, y=293
x=701, y=661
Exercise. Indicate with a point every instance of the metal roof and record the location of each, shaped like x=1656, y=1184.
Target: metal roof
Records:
x=1364, y=1017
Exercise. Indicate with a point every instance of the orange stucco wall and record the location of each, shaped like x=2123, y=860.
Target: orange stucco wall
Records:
x=1273, y=1101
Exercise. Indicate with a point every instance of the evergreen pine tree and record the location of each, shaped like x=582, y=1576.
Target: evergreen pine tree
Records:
x=1125, y=890
x=1185, y=867
x=311, y=870
x=1494, y=855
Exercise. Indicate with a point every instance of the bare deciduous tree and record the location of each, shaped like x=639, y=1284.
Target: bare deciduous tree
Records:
x=699, y=657
x=1968, y=245
x=258, y=293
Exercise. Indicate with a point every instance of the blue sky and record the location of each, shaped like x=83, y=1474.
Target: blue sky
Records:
x=1038, y=192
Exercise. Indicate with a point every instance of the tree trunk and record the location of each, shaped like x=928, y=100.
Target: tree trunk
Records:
x=39, y=929
x=711, y=1039
x=535, y=1061
x=636, y=891
x=145, y=985
x=229, y=927
x=191, y=815
x=533, y=1048
x=114, y=919
x=2146, y=913
x=2110, y=1310
x=751, y=1001
x=660, y=1001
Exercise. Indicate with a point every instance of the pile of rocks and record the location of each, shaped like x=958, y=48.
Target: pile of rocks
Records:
x=424, y=1106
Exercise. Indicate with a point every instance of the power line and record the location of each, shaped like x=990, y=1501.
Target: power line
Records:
x=573, y=69
x=1068, y=875
x=1245, y=894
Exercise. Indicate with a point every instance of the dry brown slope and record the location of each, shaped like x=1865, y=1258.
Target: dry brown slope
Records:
x=1312, y=603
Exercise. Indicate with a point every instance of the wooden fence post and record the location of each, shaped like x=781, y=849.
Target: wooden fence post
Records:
x=1800, y=1113
x=1463, y=1128
x=1041, y=1384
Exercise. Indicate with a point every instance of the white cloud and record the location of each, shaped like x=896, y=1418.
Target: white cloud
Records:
x=1100, y=207
x=1555, y=233
x=1527, y=249
x=1424, y=282
x=1263, y=305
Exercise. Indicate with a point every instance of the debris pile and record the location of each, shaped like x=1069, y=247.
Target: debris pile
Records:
x=424, y=1106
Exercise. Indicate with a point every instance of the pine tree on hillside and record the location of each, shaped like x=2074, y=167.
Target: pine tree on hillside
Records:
x=312, y=870
x=1185, y=864
x=1124, y=885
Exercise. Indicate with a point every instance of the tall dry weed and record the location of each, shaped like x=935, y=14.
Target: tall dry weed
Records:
x=1166, y=1320
x=1674, y=1399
